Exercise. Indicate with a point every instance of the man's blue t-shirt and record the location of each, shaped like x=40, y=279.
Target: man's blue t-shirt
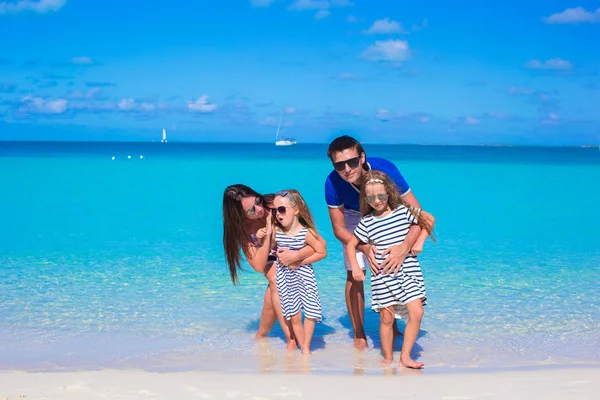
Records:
x=340, y=193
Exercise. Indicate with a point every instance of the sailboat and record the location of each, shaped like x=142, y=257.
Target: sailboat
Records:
x=164, y=136
x=282, y=141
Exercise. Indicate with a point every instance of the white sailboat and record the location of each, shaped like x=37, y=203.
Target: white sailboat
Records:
x=164, y=136
x=282, y=141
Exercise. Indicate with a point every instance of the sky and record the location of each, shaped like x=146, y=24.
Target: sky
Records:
x=383, y=71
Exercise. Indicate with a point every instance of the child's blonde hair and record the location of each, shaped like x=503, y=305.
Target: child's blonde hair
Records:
x=304, y=215
x=394, y=199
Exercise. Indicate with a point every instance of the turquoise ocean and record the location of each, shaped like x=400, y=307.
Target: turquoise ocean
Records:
x=119, y=263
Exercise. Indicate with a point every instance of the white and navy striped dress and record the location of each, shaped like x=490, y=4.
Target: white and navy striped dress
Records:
x=407, y=285
x=297, y=287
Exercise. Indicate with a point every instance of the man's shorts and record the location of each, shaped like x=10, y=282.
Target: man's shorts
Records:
x=352, y=219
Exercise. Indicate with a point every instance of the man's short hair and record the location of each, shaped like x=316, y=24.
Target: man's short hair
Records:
x=342, y=143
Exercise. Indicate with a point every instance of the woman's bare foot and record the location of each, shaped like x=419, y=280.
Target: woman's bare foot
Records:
x=386, y=361
x=291, y=345
x=410, y=363
x=360, y=344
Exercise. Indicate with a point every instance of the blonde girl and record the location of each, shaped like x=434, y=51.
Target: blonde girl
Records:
x=294, y=229
x=386, y=220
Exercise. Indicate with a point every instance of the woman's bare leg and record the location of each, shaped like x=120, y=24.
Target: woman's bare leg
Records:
x=289, y=334
x=267, y=316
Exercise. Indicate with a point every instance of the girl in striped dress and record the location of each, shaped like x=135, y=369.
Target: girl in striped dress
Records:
x=296, y=284
x=386, y=221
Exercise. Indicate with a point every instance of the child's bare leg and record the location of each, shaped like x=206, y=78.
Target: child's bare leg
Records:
x=386, y=333
x=297, y=327
x=309, y=329
x=267, y=316
x=415, y=314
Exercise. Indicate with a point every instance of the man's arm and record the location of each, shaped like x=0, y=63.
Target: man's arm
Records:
x=336, y=215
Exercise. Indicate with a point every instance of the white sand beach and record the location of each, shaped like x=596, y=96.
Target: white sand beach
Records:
x=555, y=383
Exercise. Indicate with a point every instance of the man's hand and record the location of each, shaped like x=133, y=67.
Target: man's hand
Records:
x=287, y=257
x=396, y=256
x=358, y=274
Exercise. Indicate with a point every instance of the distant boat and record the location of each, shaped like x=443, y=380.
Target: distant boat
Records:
x=283, y=141
x=164, y=137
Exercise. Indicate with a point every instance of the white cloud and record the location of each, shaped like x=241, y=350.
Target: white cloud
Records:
x=390, y=50
x=384, y=115
x=201, y=105
x=261, y=3
x=290, y=110
x=521, y=90
x=79, y=94
x=552, y=119
x=81, y=60
x=552, y=64
x=269, y=121
x=575, y=15
x=37, y=105
x=127, y=104
x=40, y=7
x=346, y=76
x=385, y=26
x=322, y=14
x=351, y=19
x=471, y=121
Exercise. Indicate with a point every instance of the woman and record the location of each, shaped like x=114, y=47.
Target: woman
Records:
x=245, y=212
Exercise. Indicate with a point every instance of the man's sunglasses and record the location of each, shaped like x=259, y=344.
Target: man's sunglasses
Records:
x=252, y=210
x=341, y=165
x=383, y=197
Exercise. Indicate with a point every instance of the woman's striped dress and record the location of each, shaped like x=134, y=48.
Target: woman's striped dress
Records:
x=407, y=285
x=297, y=287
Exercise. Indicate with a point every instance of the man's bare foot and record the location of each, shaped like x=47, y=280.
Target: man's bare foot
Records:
x=410, y=363
x=360, y=344
x=291, y=345
x=386, y=361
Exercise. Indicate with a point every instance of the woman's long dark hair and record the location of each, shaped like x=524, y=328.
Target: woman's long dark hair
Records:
x=235, y=234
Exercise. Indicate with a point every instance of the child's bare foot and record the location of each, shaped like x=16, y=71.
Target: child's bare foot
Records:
x=306, y=352
x=291, y=345
x=386, y=361
x=410, y=363
x=360, y=344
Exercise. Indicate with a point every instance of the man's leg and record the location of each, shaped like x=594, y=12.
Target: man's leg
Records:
x=355, y=301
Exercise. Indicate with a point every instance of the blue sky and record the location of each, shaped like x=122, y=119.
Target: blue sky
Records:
x=385, y=71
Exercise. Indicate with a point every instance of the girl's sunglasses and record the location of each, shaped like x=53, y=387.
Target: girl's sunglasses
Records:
x=280, y=210
x=352, y=163
x=383, y=197
x=252, y=210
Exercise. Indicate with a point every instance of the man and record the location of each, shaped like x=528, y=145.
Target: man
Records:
x=342, y=194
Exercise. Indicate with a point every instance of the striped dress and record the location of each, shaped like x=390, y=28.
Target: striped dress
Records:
x=297, y=287
x=407, y=285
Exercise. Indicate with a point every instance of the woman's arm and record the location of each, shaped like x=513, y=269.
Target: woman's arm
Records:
x=258, y=256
